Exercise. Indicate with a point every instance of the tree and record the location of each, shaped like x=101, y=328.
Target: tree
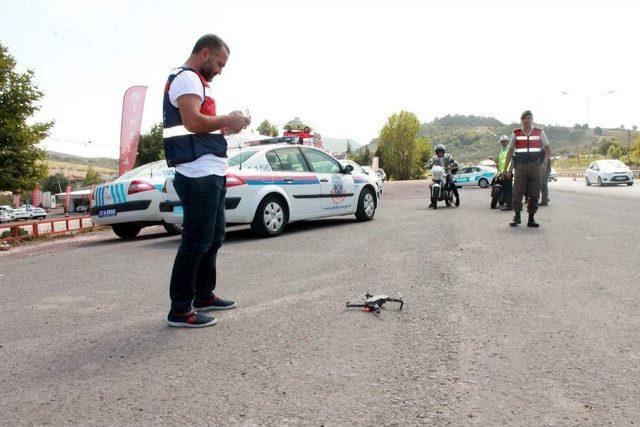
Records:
x=597, y=131
x=365, y=158
x=150, y=146
x=21, y=161
x=267, y=128
x=614, y=152
x=423, y=155
x=605, y=144
x=92, y=177
x=54, y=183
x=399, y=145
x=349, y=152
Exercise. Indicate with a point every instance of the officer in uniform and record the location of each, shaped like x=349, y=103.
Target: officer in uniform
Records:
x=507, y=184
x=530, y=151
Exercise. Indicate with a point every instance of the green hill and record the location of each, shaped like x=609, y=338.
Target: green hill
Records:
x=475, y=138
x=101, y=162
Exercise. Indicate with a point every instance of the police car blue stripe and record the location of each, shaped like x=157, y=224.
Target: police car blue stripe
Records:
x=114, y=193
x=123, y=194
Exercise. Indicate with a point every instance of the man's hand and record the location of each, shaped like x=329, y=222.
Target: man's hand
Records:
x=237, y=122
x=543, y=167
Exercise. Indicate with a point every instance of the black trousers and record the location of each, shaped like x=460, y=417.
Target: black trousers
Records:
x=203, y=231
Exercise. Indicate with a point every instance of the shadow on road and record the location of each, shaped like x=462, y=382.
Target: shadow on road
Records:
x=241, y=234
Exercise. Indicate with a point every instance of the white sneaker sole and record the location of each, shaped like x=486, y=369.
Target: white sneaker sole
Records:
x=189, y=325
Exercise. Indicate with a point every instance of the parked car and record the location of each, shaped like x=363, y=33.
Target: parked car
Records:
x=296, y=125
x=6, y=215
x=364, y=170
x=553, y=176
x=132, y=201
x=36, y=213
x=369, y=171
x=273, y=184
x=608, y=172
x=381, y=174
x=19, y=214
x=474, y=175
x=82, y=208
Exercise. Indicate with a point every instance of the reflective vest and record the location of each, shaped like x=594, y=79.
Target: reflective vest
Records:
x=528, y=148
x=181, y=145
x=502, y=159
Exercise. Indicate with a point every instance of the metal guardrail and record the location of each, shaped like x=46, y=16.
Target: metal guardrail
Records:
x=46, y=227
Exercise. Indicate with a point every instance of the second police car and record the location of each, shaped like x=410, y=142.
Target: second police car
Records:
x=475, y=175
x=132, y=201
x=276, y=182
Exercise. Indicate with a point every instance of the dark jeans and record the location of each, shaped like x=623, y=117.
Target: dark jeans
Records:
x=203, y=230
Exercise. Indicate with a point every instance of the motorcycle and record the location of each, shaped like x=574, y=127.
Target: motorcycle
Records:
x=497, y=184
x=441, y=188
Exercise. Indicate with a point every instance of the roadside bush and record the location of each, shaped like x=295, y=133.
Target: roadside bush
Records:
x=9, y=233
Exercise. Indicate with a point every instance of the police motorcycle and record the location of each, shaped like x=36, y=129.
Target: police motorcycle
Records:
x=441, y=188
x=497, y=186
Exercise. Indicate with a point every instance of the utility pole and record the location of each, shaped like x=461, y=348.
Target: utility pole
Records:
x=629, y=146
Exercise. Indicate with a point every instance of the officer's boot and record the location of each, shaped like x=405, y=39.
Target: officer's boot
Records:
x=532, y=222
x=516, y=220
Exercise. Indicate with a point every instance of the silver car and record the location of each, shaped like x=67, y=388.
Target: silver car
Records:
x=608, y=172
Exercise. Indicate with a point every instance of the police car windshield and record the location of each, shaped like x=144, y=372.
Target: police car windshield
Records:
x=241, y=156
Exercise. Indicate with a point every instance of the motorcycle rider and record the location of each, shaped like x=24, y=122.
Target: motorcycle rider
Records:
x=443, y=159
x=507, y=184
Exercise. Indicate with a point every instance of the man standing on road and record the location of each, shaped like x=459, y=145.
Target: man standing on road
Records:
x=507, y=187
x=544, y=185
x=530, y=151
x=194, y=144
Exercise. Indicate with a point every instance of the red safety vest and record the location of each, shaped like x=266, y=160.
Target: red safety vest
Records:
x=528, y=148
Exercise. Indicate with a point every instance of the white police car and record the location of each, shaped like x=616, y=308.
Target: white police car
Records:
x=275, y=183
x=132, y=201
x=474, y=175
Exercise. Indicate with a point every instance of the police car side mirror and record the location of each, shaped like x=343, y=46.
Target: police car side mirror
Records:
x=348, y=169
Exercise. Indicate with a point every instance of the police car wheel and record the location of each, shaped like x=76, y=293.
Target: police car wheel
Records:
x=483, y=183
x=126, y=231
x=366, y=205
x=271, y=217
x=173, y=229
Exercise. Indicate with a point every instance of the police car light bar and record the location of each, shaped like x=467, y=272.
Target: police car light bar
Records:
x=278, y=140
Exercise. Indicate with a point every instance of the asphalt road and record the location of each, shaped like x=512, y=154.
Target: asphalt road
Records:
x=501, y=325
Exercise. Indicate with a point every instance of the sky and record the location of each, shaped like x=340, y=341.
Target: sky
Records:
x=341, y=66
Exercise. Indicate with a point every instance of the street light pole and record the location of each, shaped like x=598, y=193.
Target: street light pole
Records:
x=588, y=98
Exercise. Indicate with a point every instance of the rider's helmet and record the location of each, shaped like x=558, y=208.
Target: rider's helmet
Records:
x=504, y=138
x=440, y=149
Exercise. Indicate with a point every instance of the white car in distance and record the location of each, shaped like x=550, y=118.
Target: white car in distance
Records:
x=276, y=182
x=608, y=172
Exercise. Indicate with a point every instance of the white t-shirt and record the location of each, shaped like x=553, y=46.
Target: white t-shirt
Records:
x=188, y=82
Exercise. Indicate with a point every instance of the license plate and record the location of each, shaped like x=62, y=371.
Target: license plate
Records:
x=106, y=213
x=178, y=210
